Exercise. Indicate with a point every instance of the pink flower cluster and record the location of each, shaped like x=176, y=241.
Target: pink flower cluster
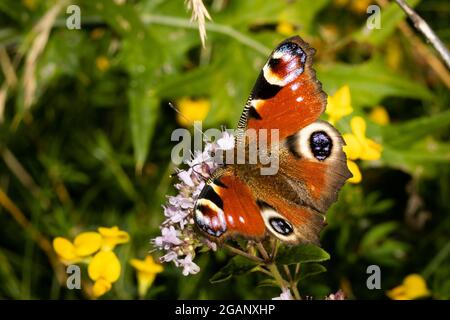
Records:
x=178, y=239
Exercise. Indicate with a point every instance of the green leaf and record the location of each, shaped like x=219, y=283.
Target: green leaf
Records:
x=268, y=283
x=14, y=10
x=238, y=265
x=310, y=269
x=301, y=253
x=244, y=13
x=390, y=253
x=420, y=159
x=10, y=283
x=303, y=13
x=143, y=116
x=377, y=234
x=143, y=64
x=369, y=82
x=227, y=88
x=103, y=151
x=404, y=134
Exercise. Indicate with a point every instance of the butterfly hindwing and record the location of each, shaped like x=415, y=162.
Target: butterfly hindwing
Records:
x=313, y=157
x=312, y=169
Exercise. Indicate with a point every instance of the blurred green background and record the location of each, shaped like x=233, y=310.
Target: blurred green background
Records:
x=85, y=134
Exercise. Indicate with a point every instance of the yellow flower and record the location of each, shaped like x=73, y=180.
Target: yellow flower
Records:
x=341, y=3
x=84, y=245
x=192, y=110
x=97, y=33
x=87, y=243
x=30, y=4
x=394, y=54
x=360, y=6
x=412, y=287
x=146, y=273
x=112, y=237
x=65, y=250
x=102, y=63
x=285, y=28
x=353, y=167
x=104, y=269
x=357, y=6
x=379, y=115
x=358, y=146
x=339, y=104
x=101, y=286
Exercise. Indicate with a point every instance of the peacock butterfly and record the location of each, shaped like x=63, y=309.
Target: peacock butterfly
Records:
x=290, y=205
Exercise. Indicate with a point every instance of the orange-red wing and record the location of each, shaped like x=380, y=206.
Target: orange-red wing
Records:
x=312, y=169
x=290, y=222
x=313, y=158
x=287, y=96
x=227, y=207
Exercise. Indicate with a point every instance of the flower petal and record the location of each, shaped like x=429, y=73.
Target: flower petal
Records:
x=343, y=98
x=64, y=249
x=113, y=236
x=148, y=265
x=339, y=104
x=106, y=265
x=412, y=287
x=379, y=115
x=371, y=150
x=145, y=281
x=285, y=28
x=192, y=110
x=353, y=167
x=358, y=125
x=352, y=148
x=396, y=293
x=87, y=243
x=415, y=286
x=102, y=63
x=101, y=286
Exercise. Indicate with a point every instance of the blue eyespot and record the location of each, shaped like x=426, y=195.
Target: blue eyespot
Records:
x=281, y=226
x=321, y=145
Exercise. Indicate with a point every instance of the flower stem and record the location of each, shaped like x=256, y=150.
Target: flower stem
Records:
x=288, y=272
x=263, y=251
x=261, y=269
x=292, y=283
x=294, y=289
x=277, y=275
x=297, y=269
x=274, y=249
x=243, y=253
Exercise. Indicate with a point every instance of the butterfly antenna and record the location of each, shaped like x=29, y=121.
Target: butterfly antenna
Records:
x=192, y=154
x=188, y=120
x=175, y=174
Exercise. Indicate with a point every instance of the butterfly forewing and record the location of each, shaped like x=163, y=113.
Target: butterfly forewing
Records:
x=226, y=206
x=286, y=95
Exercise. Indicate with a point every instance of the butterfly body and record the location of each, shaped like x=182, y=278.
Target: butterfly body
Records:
x=289, y=204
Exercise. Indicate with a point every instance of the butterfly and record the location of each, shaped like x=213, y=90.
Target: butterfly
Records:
x=291, y=204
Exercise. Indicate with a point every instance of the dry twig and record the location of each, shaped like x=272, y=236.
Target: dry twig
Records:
x=423, y=27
